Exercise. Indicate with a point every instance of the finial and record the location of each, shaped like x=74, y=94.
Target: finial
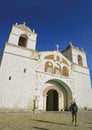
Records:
x=77, y=47
x=70, y=43
x=57, y=46
x=24, y=23
x=33, y=30
x=82, y=49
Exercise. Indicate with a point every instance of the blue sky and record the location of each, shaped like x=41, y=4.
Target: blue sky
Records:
x=55, y=21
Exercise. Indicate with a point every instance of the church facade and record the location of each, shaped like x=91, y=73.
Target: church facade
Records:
x=47, y=80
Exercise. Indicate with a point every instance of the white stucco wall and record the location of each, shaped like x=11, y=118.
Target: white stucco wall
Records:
x=82, y=84
x=18, y=91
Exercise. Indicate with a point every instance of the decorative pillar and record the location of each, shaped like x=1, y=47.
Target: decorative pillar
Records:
x=44, y=102
x=61, y=103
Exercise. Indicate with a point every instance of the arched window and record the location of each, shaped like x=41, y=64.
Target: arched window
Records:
x=48, y=67
x=57, y=58
x=80, y=60
x=57, y=69
x=65, y=71
x=22, y=40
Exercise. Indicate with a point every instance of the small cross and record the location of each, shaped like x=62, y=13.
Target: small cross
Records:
x=57, y=47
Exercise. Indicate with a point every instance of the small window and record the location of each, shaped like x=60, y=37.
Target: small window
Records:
x=80, y=62
x=25, y=70
x=10, y=78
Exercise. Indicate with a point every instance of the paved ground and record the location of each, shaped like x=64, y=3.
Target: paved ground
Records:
x=45, y=121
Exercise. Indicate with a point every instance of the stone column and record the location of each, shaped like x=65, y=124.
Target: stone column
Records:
x=44, y=102
x=61, y=103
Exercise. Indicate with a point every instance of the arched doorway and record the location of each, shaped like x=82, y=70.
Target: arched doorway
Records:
x=62, y=95
x=52, y=100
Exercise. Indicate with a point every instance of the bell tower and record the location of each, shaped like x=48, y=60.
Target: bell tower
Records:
x=75, y=55
x=22, y=36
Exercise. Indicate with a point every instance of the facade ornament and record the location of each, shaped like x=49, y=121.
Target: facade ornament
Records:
x=33, y=30
x=70, y=43
x=24, y=23
x=82, y=49
x=57, y=46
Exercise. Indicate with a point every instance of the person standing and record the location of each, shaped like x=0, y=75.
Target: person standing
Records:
x=74, y=110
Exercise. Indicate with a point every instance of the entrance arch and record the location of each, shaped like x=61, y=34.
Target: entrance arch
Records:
x=52, y=100
x=63, y=97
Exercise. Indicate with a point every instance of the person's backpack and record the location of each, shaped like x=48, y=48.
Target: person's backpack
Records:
x=74, y=108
